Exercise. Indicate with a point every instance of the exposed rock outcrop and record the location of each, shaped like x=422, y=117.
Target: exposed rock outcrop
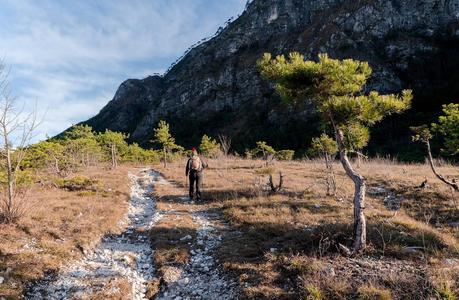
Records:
x=216, y=87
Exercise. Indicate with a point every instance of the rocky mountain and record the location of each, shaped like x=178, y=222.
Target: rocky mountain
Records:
x=216, y=88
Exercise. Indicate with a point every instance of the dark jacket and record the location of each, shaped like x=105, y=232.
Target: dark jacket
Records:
x=188, y=166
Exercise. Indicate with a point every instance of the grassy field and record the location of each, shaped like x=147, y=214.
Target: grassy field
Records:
x=61, y=224
x=285, y=246
x=278, y=246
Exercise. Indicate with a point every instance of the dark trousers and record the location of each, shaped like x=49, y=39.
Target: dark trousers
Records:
x=195, y=182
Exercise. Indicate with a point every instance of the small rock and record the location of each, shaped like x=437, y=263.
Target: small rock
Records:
x=413, y=249
x=451, y=262
x=2, y=280
x=453, y=224
x=186, y=238
x=330, y=271
x=377, y=190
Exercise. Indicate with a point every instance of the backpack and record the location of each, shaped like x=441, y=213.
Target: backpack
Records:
x=196, y=163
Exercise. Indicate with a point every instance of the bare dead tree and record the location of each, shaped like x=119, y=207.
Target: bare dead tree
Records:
x=275, y=189
x=16, y=131
x=225, y=143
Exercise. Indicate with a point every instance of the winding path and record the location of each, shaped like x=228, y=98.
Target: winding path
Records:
x=128, y=256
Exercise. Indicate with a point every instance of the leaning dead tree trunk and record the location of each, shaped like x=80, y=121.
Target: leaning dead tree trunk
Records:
x=453, y=184
x=275, y=189
x=359, y=194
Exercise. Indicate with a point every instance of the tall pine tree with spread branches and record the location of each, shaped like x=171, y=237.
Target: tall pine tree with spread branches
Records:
x=335, y=87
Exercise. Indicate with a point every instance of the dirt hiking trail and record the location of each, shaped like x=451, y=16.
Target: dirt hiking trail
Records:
x=124, y=265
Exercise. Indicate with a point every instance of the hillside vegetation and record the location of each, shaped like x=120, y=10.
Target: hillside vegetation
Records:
x=287, y=245
x=273, y=224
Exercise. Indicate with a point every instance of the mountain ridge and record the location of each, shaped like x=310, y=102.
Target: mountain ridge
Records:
x=216, y=88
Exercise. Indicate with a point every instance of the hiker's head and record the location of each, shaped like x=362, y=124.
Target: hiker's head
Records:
x=194, y=151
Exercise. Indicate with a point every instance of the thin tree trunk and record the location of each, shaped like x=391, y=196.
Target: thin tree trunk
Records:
x=165, y=157
x=56, y=165
x=359, y=194
x=452, y=184
x=10, y=175
x=10, y=180
x=327, y=168
x=113, y=154
x=331, y=183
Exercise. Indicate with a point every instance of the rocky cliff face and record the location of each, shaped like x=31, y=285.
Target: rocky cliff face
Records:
x=216, y=87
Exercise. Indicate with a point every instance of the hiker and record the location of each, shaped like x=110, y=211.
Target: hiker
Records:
x=194, y=168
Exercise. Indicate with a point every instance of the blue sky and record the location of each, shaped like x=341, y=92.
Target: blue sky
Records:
x=69, y=57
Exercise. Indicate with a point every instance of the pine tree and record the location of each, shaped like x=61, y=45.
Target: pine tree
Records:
x=113, y=143
x=81, y=145
x=448, y=127
x=265, y=149
x=335, y=88
x=164, y=138
x=208, y=145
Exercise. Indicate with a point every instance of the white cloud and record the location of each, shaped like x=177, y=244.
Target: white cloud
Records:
x=70, y=56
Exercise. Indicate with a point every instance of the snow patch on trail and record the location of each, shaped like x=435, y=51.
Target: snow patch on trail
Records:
x=123, y=256
x=202, y=278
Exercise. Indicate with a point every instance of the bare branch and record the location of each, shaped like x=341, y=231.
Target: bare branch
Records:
x=276, y=189
x=13, y=124
x=225, y=143
x=358, y=153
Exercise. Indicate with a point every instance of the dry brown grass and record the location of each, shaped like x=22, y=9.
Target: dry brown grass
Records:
x=272, y=232
x=117, y=289
x=60, y=225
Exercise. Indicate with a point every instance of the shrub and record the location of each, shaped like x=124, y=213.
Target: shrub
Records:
x=249, y=154
x=323, y=146
x=24, y=179
x=444, y=291
x=285, y=154
x=370, y=292
x=265, y=150
x=209, y=146
x=78, y=183
x=135, y=153
x=313, y=293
